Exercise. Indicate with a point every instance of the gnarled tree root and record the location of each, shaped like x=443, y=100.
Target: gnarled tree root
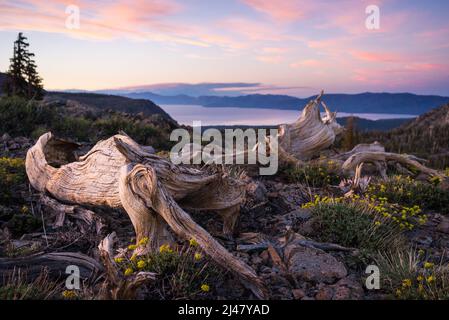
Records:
x=55, y=263
x=119, y=173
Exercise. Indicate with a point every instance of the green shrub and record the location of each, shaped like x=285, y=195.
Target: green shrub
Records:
x=35, y=119
x=20, y=117
x=406, y=275
x=22, y=223
x=355, y=225
x=16, y=287
x=78, y=128
x=314, y=175
x=409, y=192
x=183, y=272
x=12, y=179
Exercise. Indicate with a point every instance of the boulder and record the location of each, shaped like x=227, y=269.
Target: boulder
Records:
x=313, y=265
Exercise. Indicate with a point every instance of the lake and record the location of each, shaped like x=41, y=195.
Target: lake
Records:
x=186, y=114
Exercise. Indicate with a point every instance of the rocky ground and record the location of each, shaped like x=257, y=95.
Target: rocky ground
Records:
x=275, y=236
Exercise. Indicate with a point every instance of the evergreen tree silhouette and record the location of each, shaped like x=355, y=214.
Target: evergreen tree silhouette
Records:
x=23, y=79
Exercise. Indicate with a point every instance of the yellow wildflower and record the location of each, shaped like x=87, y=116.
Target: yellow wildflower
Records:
x=406, y=283
x=118, y=260
x=205, y=287
x=143, y=241
x=141, y=264
x=428, y=265
x=165, y=248
x=377, y=223
x=420, y=278
x=129, y=272
x=133, y=258
x=430, y=279
x=69, y=294
x=193, y=242
x=198, y=256
x=132, y=247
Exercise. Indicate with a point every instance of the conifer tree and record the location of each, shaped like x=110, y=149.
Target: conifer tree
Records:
x=23, y=79
x=34, y=87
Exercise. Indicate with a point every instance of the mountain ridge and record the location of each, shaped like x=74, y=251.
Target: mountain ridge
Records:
x=426, y=136
x=366, y=102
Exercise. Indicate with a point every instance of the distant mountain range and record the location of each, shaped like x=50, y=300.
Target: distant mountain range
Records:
x=392, y=103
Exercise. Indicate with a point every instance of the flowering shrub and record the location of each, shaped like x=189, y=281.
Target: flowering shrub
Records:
x=409, y=192
x=377, y=208
x=182, y=272
x=354, y=222
x=317, y=176
x=407, y=275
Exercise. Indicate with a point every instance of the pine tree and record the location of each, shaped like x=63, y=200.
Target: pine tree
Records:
x=35, y=88
x=23, y=79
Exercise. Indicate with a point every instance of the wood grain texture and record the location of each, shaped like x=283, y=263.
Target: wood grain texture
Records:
x=120, y=173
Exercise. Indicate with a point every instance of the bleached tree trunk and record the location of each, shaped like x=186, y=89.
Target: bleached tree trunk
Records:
x=119, y=173
x=310, y=134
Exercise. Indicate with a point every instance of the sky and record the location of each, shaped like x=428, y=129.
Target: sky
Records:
x=285, y=46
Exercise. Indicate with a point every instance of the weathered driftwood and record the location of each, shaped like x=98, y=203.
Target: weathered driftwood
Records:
x=55, y=263
x=119, y=173
x=382, y=157
x=310, y=134
x=86, y=219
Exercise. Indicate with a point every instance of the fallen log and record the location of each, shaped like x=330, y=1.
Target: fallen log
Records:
x=55, y=263
x=119, y=173
x=381, y=157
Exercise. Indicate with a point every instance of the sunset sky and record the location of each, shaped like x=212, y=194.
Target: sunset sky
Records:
x=290, y=47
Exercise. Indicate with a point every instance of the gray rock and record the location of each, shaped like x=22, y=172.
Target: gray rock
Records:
x=314, y=265
x=308, y=227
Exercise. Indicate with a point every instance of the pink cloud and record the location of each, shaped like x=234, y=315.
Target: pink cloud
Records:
x=376, y=56
x=313, y=63
x=269, y=59
x=141, y=20
x=251, y=30
x=274, y=50
x=280, y=10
